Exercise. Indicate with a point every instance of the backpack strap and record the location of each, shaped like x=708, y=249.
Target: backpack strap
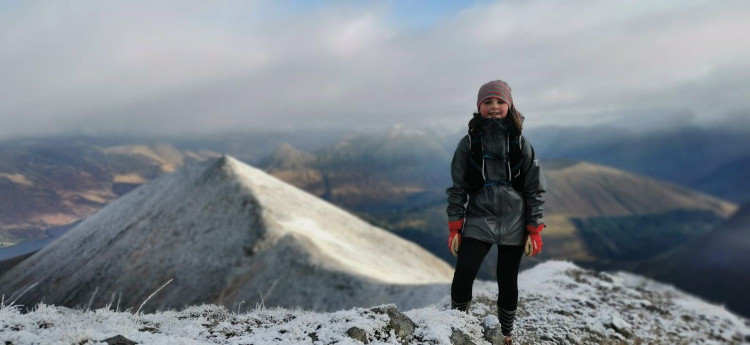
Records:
x=474, y=169
x=516, y=156
x=475, y=151
x=491, y=155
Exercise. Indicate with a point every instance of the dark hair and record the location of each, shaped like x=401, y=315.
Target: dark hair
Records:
x=514, y=114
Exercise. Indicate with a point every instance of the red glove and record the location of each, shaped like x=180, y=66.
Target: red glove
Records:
x=534, y=242
x=454, y=238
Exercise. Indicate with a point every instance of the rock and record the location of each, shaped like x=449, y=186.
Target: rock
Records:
x=619, y=325
x=357, y=334
x=400, y=323
x=119, y=340
x=491, y=330
x=489, y=322
x=562, y=312
x=494, y=336
x=44, y=324
x=313, y=336
x=460, y=338
x=618, y=336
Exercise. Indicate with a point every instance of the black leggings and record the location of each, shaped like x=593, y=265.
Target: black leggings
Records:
x=471, y=253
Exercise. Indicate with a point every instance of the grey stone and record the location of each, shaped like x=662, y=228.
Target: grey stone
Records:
x=401, y=324
x=489, y=322
x=619, y=325
x=494, y=336
x=119, y=340
x=357, y=334
x=460, y=338
x=491, y=330
x=313, y=336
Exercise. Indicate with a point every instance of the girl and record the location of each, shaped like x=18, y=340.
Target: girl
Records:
x=494, y=166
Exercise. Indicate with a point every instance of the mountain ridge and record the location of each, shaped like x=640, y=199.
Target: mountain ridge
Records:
x=226, y=231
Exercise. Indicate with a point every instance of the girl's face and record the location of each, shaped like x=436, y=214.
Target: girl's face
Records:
x=493, y=107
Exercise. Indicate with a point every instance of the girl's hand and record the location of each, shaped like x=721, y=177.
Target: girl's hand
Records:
x=529, y=248
x=454, y=243
x=454, y=238
x=534, y=240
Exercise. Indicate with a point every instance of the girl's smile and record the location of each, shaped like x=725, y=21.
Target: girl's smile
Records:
x=493, y=107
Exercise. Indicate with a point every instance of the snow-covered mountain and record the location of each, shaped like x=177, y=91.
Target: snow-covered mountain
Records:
x=560, y=303
x=223, y=232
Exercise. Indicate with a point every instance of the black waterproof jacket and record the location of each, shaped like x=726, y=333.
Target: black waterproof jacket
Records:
x=496, y=213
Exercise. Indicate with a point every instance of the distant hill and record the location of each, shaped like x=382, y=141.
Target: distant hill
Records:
x=729, y=180
x=51, y=183
x=687, y=155
x=586, y=189
x=620, y=215
x=368, y=173
x=296, y=167
x=225, y=232
x=714, y=265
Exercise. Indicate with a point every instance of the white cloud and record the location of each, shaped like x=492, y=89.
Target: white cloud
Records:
x=175, y=67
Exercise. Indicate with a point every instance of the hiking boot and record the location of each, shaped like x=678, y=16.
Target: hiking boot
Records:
x=508, y=341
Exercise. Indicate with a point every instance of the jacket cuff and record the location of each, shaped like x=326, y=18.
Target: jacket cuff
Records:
x=456, y=225
x=535, y=221
x=534, y=228
x=455, y=218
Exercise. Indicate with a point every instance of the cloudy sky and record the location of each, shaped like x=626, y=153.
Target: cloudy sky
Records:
x=180, y=67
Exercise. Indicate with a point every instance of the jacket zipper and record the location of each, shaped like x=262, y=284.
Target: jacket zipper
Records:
x=484, y=178
x=503, y=187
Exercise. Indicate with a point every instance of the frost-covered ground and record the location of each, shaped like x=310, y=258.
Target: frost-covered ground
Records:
x=559, y=304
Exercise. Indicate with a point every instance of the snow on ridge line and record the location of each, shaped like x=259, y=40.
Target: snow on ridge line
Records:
x=348, y=242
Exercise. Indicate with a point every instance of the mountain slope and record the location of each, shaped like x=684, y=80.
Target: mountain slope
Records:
x=679, y=154
x=719, y=258
x=52, y=182
x=226, y=232
x=597, y=212
x=729, y=180
x=587, y=189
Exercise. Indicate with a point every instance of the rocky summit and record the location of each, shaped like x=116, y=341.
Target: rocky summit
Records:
x=560, y=303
